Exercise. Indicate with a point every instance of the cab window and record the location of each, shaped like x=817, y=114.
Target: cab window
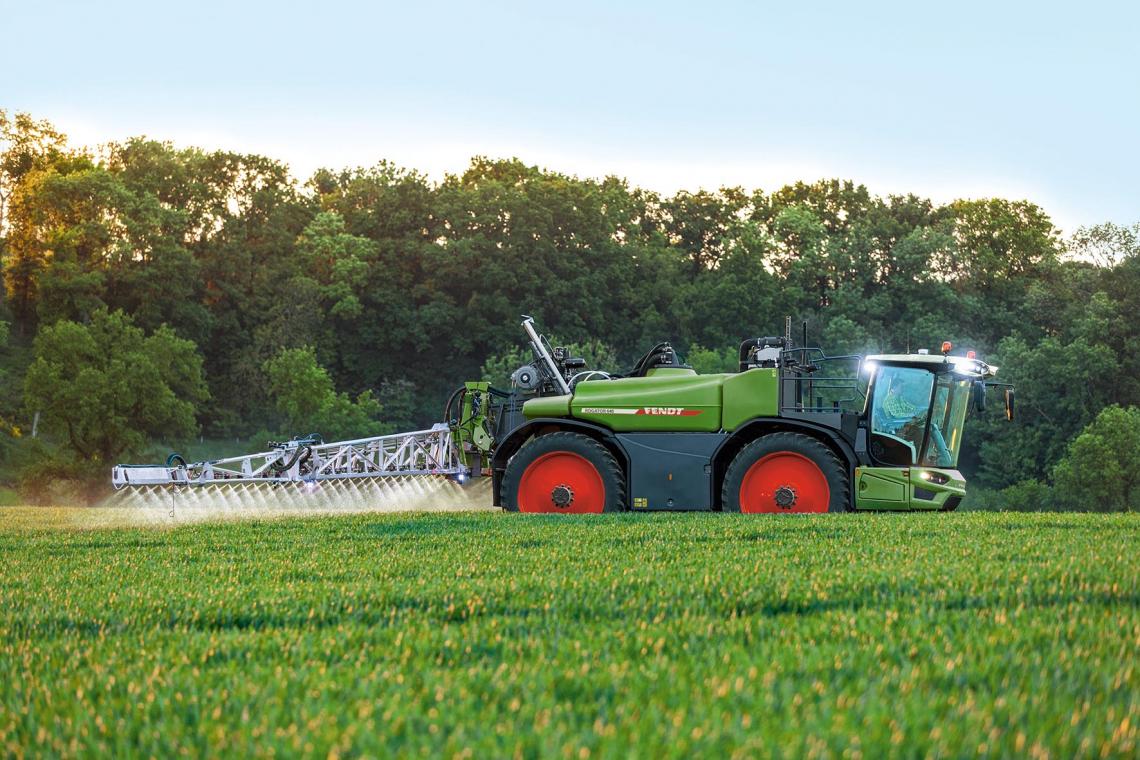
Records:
x=948, y=417
x=899, y=409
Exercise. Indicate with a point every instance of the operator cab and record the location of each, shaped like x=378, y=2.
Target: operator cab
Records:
x=916, y=407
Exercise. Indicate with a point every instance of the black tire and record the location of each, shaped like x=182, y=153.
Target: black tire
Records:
x=804, y=447
x=612, y=480
x=952, y=504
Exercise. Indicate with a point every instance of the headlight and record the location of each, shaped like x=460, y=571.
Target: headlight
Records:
x=934, y=477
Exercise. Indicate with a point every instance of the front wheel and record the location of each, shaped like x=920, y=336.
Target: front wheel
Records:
x=785, y=472
x=563, y=473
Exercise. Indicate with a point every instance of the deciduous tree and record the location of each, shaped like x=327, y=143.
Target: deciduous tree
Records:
x=1100, y=471
x=104, y=389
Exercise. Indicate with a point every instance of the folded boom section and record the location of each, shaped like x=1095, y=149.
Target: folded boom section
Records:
x=423, y=452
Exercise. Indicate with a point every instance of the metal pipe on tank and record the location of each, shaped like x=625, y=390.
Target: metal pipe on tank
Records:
x=544, y=355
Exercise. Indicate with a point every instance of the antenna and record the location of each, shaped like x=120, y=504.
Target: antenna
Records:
x=803, y=352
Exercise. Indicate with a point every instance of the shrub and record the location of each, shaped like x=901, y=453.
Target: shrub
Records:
x=1100, y=471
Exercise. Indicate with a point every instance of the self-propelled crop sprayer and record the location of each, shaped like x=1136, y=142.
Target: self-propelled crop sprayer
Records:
x=792, y=430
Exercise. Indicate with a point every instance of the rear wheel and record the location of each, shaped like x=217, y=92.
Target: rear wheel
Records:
x=563, y=472
x=785, y=472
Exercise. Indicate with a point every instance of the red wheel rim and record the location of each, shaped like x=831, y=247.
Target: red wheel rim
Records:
x=557, y=477
x=784, y=482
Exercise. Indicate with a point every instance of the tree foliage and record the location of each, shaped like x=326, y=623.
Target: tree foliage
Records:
x=377, y=279
x=105, y=388
x=1100, y=470
x=304, y=396
x=25, y=146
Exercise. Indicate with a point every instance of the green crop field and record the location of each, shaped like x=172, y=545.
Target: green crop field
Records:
x=487, y=634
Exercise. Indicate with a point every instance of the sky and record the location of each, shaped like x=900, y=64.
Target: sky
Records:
x=947, y=100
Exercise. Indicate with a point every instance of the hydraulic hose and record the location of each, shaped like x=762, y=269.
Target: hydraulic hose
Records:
x=450, y=402
x=300, y=455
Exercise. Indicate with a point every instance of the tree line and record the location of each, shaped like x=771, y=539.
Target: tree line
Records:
x=157, y=294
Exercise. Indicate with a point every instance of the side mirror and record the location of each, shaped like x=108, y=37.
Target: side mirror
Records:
x=1009, y=404
x=978, y=391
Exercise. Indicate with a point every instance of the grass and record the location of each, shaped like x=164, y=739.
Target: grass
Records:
x=657, y=635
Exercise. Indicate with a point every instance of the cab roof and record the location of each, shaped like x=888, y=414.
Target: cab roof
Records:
x=936, y=363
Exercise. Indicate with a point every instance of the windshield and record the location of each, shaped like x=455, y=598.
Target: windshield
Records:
x=947, y=418
x=899, y=408
x=904, y=400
